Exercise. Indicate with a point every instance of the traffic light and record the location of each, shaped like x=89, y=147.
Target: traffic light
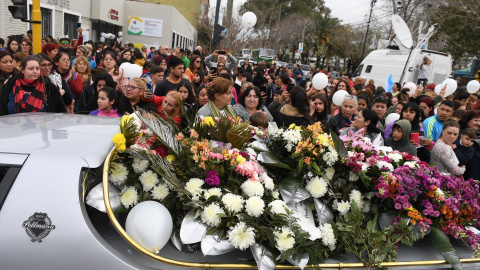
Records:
x=218, y=33
x=19, y=9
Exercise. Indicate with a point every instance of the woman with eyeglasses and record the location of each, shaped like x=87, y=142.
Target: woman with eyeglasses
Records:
x=46, y=68
x=133, y=99
x=195, y=65
x=30, y=91
x=6, y=67
x=26, y=46
x=62, y=66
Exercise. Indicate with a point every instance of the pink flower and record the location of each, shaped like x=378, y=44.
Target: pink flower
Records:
x=212, y=178
x=179, y=137
x=248, y=169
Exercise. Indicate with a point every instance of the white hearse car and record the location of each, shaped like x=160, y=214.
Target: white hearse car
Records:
x=48, y=163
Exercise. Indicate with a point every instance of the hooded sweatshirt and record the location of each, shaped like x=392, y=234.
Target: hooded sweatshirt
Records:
x=404, y=144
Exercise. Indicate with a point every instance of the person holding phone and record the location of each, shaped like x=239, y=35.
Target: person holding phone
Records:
x=400, y=139
x=222, y=57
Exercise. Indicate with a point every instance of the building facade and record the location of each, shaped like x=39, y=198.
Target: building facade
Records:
x=151, y=24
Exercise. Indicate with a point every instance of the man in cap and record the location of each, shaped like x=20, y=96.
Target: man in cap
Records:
x=298, y=75
x=64, y=42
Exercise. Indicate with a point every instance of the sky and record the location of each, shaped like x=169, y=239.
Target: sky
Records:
x=348, y=11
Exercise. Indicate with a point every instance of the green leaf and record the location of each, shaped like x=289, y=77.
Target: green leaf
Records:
x=367, y=181
x=211, y=231
x=339, y=145
x=441, y=242
x=316, y=169
x=268, y=158
x=373, y=223
x=369, y=195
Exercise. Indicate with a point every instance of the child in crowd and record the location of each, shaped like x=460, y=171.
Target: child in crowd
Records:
x=463, y=146
x=457, y=115
x=260, y=120
x=158, y=74
x=107, y=103
x=400, y=139
x=277, y=94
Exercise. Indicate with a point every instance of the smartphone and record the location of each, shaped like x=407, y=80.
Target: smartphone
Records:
x=414, y=136
x=221, y=52
x=213, y=70
x=79, y=24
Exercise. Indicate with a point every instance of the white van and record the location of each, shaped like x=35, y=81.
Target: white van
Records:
x=380, y=63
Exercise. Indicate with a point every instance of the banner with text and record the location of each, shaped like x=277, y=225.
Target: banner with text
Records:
x=145, y=27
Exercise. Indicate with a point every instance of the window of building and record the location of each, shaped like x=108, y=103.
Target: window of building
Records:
x=47, y=21
x=70, y=25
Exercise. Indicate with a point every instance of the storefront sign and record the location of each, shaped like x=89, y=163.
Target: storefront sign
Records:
x=145, y=27
x=113, y=14
x=60, y=3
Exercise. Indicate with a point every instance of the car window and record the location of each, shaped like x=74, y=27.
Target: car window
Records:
x=8, y=174
x=368, y=69
x=358, y=71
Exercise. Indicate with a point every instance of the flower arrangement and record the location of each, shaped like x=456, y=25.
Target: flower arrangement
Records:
x=302, y=194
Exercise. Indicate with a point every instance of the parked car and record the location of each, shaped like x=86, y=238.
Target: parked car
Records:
x=306, y=71
x=48, y=163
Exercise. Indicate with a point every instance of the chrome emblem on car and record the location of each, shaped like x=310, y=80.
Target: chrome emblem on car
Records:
x=38, y=226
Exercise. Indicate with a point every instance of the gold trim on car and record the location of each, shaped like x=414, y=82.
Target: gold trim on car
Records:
x=207, y=265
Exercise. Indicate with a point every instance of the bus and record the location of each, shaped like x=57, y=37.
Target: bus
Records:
x=246, y=53
x=266, y=55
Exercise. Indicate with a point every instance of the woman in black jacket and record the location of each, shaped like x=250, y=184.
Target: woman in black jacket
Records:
x=296, y=111
x=29, y=91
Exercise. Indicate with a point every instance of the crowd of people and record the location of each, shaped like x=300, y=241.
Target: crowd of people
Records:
x=73, y=77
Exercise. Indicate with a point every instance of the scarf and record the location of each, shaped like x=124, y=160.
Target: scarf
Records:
x=216, y=112
x=36, y=98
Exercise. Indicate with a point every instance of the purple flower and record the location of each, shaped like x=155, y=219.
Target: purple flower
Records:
x=398, y=206
x=212, y=178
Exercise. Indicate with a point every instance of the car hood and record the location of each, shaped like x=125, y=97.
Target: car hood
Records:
x=89, y=137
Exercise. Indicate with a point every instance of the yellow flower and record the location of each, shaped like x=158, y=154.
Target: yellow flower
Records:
x=298, y=128
x=119, y=141
x=170, y=158
x=125, y=120
x=322, y=139
x=209, y=121
x=291, y=126
x=240, y=159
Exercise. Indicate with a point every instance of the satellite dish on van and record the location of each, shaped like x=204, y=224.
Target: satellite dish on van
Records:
x=401, y=30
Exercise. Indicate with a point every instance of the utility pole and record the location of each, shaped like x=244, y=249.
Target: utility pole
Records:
x=368, y=25
x=217, y=12
x=229, y=14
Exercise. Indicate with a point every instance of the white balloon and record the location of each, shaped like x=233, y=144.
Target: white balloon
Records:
x=120, y=33
x=102, y=39
x=338, y=97
x=438, y=88
x=412, y=86
x=249, y=19
x=392, y=118
x=451, y=86
x=103, y=35
x=319, y=81
x=131, y=70
x=473, y=86
x=150, y=224
x=112, y=36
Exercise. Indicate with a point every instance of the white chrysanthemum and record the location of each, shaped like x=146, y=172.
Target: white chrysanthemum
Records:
x=148, y=179
x=278, y=207
x=284, y=239
x=330, y=157
x=328, y=236
x=276, y=194
x=118, y=175
x=129, y=197
x=329, y=172
x=343, y=207
x=212, y=192
x=241, y=236
x=253, y=188
x=395, y=157
x=232, y=202
x=280, y=131
x=210, y=215
x=317, y=187
x=356, y=196
x=289, y=147
x=194, y=186
x=439, y=192
x=292, y=137
x=251, y=152
x=267, y=181
x=383, y=164
x=364, y=166
x=411, y=164
x=352, y=176
x=350, y=153
x=140, y=165
x=254, y=206
x=160, y=192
